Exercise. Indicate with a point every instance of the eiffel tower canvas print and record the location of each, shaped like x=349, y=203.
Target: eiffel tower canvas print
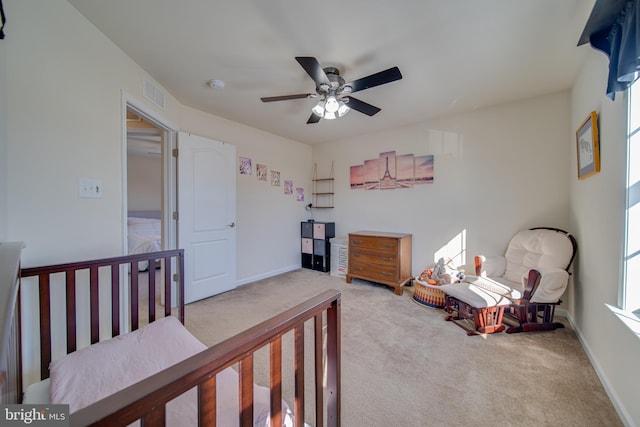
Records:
x=387, y=166
x=391, y=170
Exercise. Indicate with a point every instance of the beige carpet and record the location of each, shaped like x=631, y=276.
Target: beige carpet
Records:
x=403, y=365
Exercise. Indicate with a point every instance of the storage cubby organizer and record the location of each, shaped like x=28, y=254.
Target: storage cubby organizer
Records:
x=315, y=244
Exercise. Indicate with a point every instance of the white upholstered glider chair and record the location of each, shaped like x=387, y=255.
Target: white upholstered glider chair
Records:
x=525, y=285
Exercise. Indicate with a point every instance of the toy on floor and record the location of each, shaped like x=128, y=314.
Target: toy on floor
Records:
x=441, y=273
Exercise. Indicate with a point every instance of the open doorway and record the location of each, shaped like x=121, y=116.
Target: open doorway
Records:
x=149, y=188
x=144, y=185
x=149, y=170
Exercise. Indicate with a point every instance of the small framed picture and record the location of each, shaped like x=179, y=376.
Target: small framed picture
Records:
x=588, y=147
x=245, y=166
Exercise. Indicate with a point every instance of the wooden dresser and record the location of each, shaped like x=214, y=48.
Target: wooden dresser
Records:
x=380, y=257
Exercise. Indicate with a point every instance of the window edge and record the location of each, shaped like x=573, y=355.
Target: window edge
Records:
x=630, y=320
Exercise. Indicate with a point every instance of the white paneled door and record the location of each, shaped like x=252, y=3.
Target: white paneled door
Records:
x=206, y=215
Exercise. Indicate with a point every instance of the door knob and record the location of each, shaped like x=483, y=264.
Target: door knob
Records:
x=233, y=224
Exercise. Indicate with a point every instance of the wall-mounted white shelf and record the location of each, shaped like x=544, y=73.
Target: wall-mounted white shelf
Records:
x=322, y=189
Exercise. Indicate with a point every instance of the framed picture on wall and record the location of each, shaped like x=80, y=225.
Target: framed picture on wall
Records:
x=588, y=147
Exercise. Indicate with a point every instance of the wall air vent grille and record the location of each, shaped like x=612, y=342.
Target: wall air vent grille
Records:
x=152, y=91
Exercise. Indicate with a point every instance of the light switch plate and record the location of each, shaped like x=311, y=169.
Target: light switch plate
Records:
x=90, y=188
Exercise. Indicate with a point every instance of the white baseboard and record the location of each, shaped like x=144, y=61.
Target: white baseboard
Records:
x=247, y=280
x=625, y=417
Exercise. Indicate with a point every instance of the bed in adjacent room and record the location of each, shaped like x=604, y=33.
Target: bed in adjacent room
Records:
x=144, y=233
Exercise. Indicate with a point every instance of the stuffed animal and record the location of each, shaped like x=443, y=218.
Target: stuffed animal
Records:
x=444, y=274
x=426, y=277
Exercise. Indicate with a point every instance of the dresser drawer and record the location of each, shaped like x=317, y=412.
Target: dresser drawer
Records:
x=374, y=243
x=374, y=257
x=374, y=272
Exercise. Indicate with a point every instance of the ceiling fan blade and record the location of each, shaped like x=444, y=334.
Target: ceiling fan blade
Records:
x=377, y=79
x=313, y=68
x=286, y=97
x=361, y=106
x=313, y=119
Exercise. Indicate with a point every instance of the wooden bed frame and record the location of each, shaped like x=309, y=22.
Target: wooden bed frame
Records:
x=146, y=400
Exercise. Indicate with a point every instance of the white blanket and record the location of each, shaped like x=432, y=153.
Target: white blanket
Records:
x=144, y=235
x=95, y=372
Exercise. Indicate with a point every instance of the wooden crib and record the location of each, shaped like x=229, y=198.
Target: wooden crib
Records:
x=146, y=400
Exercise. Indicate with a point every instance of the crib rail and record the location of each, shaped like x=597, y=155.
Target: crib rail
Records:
x=147, y=399
x=10, y=379
x=70, y=270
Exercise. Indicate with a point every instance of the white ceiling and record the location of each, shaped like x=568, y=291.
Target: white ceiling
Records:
x=454, y=55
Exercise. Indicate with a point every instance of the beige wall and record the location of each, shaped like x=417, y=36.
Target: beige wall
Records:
x=597, y=218
x=497, y=170
x=64, y=122
x=144, y=183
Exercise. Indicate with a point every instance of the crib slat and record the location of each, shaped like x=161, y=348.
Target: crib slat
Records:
x=246, y=391
x=94, y=299
x=180, y=296
x=115, y=299
x=299, y=376
x=319, y=383
x=275, y=382
x=155, y=418
x=152, y=290
x=71, y=311
x=167, y=286
x=134, y=295
x=45, y=325
x=207, y=402
x=333, y=365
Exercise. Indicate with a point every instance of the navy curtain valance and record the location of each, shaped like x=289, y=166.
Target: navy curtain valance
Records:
x=614, y=28
x=2, y=21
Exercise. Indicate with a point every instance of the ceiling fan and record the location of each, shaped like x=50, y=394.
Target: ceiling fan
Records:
x=334, y=92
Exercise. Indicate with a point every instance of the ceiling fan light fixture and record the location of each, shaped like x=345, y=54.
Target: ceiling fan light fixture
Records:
x=330, y=108
x=332, y=104
x=318, y=109
x=329, y=115
x=343, y=109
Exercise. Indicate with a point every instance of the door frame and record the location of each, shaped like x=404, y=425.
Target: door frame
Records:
x=169, y=171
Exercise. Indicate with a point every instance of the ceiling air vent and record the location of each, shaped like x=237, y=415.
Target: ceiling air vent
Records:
x=152, y=91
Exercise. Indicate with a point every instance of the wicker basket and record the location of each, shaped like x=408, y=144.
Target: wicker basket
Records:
x=429, y=295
